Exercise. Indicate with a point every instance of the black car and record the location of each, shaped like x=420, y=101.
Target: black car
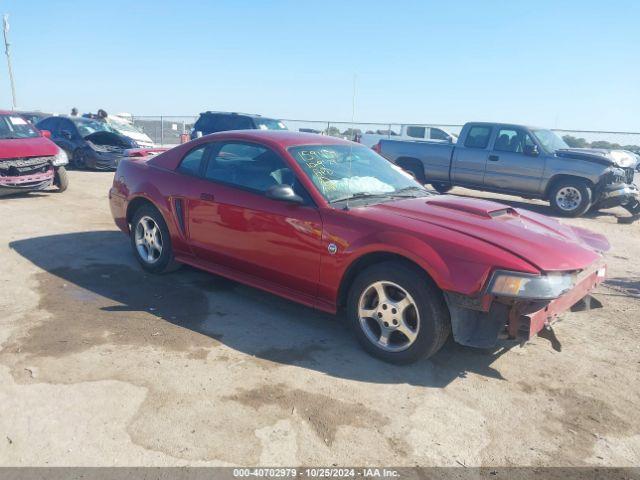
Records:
x=88, y=143
x=212, y=122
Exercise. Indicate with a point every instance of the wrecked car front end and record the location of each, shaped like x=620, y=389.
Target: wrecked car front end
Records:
x=518, y=306
x=105, y=150
x=616, y=186
x=26, y=174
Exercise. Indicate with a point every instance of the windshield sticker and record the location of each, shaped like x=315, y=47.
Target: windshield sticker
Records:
x=319, y=162
x=18, y=120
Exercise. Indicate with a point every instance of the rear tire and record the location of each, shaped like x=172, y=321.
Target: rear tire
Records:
x=151, y=241
x=61, y=179
x=570, y=197
x=441, y=188
x=397, y=313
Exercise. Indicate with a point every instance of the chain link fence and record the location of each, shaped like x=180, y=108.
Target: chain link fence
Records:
x=167, y=130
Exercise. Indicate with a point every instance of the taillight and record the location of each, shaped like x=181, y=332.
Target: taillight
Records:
x=377, y=148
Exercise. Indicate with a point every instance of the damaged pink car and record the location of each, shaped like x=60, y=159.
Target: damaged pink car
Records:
x=29, y=161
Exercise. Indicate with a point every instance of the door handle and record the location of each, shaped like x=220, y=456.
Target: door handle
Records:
x=207, y=197
x=494, y=158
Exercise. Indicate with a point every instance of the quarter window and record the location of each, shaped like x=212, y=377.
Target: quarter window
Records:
x=192, y=161
x=478, y=137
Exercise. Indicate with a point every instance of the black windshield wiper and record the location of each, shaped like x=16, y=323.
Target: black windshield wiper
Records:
x=360, y=195
x=404, y=190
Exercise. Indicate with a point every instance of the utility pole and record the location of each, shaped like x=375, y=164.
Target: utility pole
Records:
x=8, y=53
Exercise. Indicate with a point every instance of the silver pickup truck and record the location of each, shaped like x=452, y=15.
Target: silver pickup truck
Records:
x=525, y=161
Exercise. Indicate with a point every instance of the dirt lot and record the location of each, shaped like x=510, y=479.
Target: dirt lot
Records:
x=102, y=364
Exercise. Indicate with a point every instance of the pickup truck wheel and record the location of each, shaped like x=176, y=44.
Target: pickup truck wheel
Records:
x=151, y=241
x=397, y=314
x=441, y=187
x=61, y=179
x=570, y=198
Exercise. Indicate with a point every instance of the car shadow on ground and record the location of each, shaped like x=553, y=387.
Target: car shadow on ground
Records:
x=92, y=280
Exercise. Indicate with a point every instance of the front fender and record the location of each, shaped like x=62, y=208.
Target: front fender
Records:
x=454, y=261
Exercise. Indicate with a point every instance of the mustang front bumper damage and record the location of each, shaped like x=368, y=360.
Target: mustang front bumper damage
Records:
x=480, y=322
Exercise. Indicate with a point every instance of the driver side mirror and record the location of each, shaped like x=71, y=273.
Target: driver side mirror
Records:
x=45, y=133
x=66, y=134
x=531, y=150
x=283, y=193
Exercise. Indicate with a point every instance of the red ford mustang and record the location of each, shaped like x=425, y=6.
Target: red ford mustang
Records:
x=331, y=224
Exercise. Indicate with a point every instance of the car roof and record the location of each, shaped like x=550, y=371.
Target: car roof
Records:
x=282, y=138
x=505, y=125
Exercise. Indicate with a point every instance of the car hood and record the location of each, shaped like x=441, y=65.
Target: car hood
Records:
x=27, y=147
x=619, y=158
x=543, y=242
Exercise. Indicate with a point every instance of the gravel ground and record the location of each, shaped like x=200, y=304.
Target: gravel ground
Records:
x=102, y=364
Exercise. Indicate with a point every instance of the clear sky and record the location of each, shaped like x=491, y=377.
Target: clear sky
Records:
x=566, y=64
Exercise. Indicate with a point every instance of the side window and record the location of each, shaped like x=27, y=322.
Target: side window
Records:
x=512, y=140
x=437, y=134
x=47, y=124
x=241, y=123
x=248, y=166
x=416, y=132
x=67, y=126
x=478, y=137
x=192, y=161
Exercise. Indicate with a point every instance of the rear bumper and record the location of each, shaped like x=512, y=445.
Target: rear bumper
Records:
x=118, y=206
x=26, y=183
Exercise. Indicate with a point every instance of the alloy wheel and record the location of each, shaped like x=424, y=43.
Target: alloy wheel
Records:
x=148, y=239
x=388, y=316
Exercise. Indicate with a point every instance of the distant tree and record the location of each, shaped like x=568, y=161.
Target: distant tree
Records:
x=604, y=144
x=575, y=142
x=350, y=133
x=332, y=131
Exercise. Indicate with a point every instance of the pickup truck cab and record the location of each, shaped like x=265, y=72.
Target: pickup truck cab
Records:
x=29, y=161
x=413, y=133
x=525, y=161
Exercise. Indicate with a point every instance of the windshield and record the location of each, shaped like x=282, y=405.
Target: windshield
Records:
x=14, y=126
x=122, y=125
x=341, y=172
x=550, y=140
x=269, y=124
x=87, y=127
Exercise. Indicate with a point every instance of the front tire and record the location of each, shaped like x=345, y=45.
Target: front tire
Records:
x=61, y=179
x=151, y=241
x=570, y=197
x=397, y=314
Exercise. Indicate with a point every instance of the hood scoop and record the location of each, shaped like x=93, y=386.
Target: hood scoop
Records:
x=480, y=208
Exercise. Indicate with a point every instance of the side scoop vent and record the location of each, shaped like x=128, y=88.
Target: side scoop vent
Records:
x=178, y=204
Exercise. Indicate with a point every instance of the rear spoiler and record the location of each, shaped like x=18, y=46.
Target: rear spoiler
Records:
x=144, y=152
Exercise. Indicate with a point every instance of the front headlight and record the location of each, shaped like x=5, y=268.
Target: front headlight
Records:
x=623, y=158
x=537, y=287
x=60, y=159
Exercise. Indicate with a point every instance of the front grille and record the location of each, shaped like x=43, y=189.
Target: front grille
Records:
x=18, y=167
x=629, y=172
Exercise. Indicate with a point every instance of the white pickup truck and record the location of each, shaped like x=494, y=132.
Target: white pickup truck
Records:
x=410, y=132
